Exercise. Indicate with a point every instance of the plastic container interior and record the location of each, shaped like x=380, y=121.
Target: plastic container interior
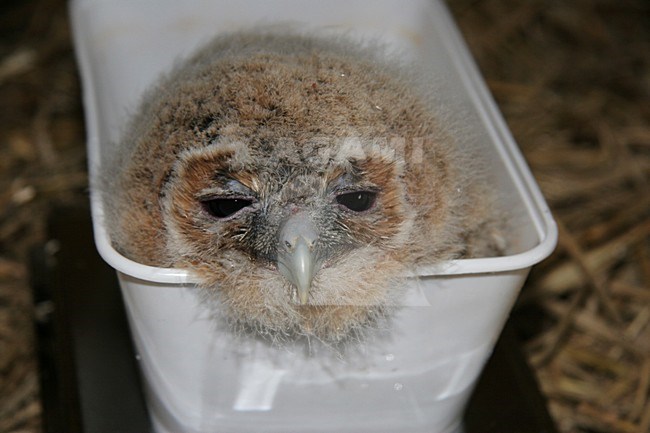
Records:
x=418, y=376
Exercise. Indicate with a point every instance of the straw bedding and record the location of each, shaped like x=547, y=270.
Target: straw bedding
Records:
x=572, y=80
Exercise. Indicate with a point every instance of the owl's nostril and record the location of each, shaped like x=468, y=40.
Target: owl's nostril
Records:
x=296, y=227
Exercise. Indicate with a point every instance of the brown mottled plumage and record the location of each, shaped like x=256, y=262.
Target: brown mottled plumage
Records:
x=265, y=150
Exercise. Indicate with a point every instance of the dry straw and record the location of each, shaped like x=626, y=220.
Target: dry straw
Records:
x=572, y=81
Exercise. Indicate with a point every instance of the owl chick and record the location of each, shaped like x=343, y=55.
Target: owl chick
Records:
x=300, y=178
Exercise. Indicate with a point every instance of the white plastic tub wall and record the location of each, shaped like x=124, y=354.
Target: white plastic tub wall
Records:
x=418, y=377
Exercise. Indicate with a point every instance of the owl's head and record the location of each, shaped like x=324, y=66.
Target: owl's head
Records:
x=319, y=239
x=298, y=179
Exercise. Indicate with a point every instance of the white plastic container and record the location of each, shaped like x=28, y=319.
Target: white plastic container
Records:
x=419, y=376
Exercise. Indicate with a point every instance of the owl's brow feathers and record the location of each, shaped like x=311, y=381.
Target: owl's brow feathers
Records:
x=339, y=157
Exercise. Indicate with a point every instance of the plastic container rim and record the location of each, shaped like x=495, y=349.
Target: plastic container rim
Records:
x=536, y=206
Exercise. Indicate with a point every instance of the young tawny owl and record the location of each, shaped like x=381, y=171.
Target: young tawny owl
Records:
x=301, y=178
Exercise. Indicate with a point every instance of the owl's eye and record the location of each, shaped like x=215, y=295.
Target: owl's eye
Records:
x=357, y=201
x=225, y=207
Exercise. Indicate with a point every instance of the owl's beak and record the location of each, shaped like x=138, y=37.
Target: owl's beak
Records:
x=298, y=260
